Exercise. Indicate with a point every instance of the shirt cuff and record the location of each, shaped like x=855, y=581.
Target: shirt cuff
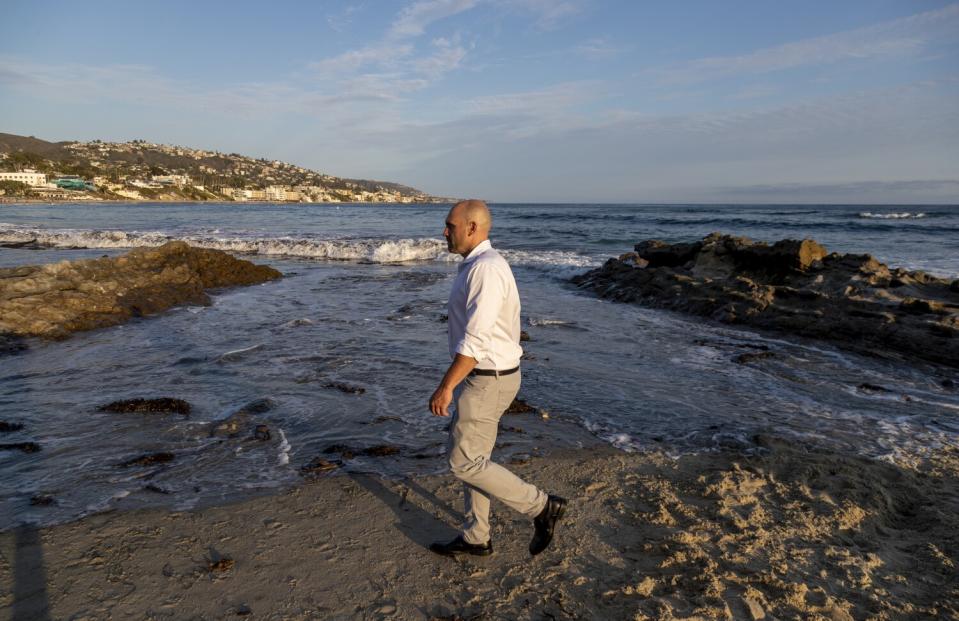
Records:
x=468, y=347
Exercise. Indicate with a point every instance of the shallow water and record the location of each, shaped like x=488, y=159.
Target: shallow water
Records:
x=372, y=319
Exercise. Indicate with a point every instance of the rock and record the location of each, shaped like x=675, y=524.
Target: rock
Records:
x=381, y=450
x=26, y=447
x=30, y=244
x=57, y=299
x=871, y=388
x=149, y=459
x=258, y=406
x=220, y=565
x=41, y=500
x=752, y=357
x=261, y=433
x=347, y=388
x=386, y=418
x=948, y=383
x=788, y=255
x=238, y=422
x=523, y=336
x=156, y=489
x=6, y=427
x=318, y=465
x=243, y=610
x=11, y=344
x=346, y=452
x=518, y=406
x=633, y=258
x=148, y=406
x=795, y=287
x=657, y=253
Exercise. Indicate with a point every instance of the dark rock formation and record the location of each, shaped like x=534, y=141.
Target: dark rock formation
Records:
x=239, y=422
x=518, y=406
x=794, y=287
x=57, y=299
x=318, y=466
x=26, y=447
x=6, y=427
x=162, y=405
x=41, y=500
x=148, y=460
x=347, y=452
x=752, y=357
x=347, y=388
x=261, y=433
x=11, y=344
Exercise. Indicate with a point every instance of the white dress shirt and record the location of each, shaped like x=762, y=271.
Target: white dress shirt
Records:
x=484, y=311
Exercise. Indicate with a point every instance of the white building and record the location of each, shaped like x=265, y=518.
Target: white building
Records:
x=275, y=193
x=30, y=177
x=177, y=180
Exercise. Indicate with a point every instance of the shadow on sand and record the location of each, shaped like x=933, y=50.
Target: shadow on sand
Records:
x=29, y=576
x=418, y=525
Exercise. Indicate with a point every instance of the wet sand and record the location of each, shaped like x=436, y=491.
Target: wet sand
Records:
x=792, y=533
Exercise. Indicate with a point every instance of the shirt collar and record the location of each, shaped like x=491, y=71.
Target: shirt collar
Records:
x=480, y=248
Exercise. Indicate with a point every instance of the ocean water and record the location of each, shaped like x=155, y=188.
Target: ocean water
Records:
x=362, y=304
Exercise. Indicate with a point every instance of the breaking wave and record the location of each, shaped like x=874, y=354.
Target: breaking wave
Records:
x=363, y=250
x=368, y=250
x=904, y=215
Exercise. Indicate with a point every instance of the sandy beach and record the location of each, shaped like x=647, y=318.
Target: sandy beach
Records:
x=788, y=533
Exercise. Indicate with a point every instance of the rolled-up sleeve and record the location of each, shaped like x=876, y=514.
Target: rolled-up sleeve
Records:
x=486, y=292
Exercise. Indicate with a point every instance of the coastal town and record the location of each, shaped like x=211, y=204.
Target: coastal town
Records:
x=33, y=169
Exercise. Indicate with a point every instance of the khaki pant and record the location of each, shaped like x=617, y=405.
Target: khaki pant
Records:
x=479, y=406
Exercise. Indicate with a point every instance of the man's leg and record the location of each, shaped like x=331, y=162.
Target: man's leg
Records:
x=473, y=435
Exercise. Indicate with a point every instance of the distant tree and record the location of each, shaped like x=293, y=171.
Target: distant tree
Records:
x=157, y=170
x=26, y=159
x=14, y=188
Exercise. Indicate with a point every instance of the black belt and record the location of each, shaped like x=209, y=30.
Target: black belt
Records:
x=494, y=372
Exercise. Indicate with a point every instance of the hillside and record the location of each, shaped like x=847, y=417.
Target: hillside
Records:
x=140, y=170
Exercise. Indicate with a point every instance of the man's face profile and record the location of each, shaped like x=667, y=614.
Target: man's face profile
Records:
x=457, y=231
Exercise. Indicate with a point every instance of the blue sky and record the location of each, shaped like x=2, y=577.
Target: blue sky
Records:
x=516, y=100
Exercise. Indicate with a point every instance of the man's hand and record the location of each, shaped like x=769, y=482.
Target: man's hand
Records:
x=443, y=395
x=440, y=401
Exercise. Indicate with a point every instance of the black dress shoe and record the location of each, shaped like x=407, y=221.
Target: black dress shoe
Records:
x=460, y=546
x=545, y=523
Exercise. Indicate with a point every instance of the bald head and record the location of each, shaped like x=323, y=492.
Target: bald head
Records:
x=476, y=212
x=467, y=225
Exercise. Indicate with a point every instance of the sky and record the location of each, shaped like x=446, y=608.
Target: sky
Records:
x=516, y=100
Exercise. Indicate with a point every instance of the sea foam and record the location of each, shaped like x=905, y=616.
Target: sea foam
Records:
x=903, y=215
x=367, y=250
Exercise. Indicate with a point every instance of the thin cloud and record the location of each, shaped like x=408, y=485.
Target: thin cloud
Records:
x=847, y=188
x=340, y=20
x=894, y=38
x=383, y=54
x=414, y=19
x=597, y=49
x=550, y=14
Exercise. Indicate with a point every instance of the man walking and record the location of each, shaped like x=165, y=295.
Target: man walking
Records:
x=484, y=345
